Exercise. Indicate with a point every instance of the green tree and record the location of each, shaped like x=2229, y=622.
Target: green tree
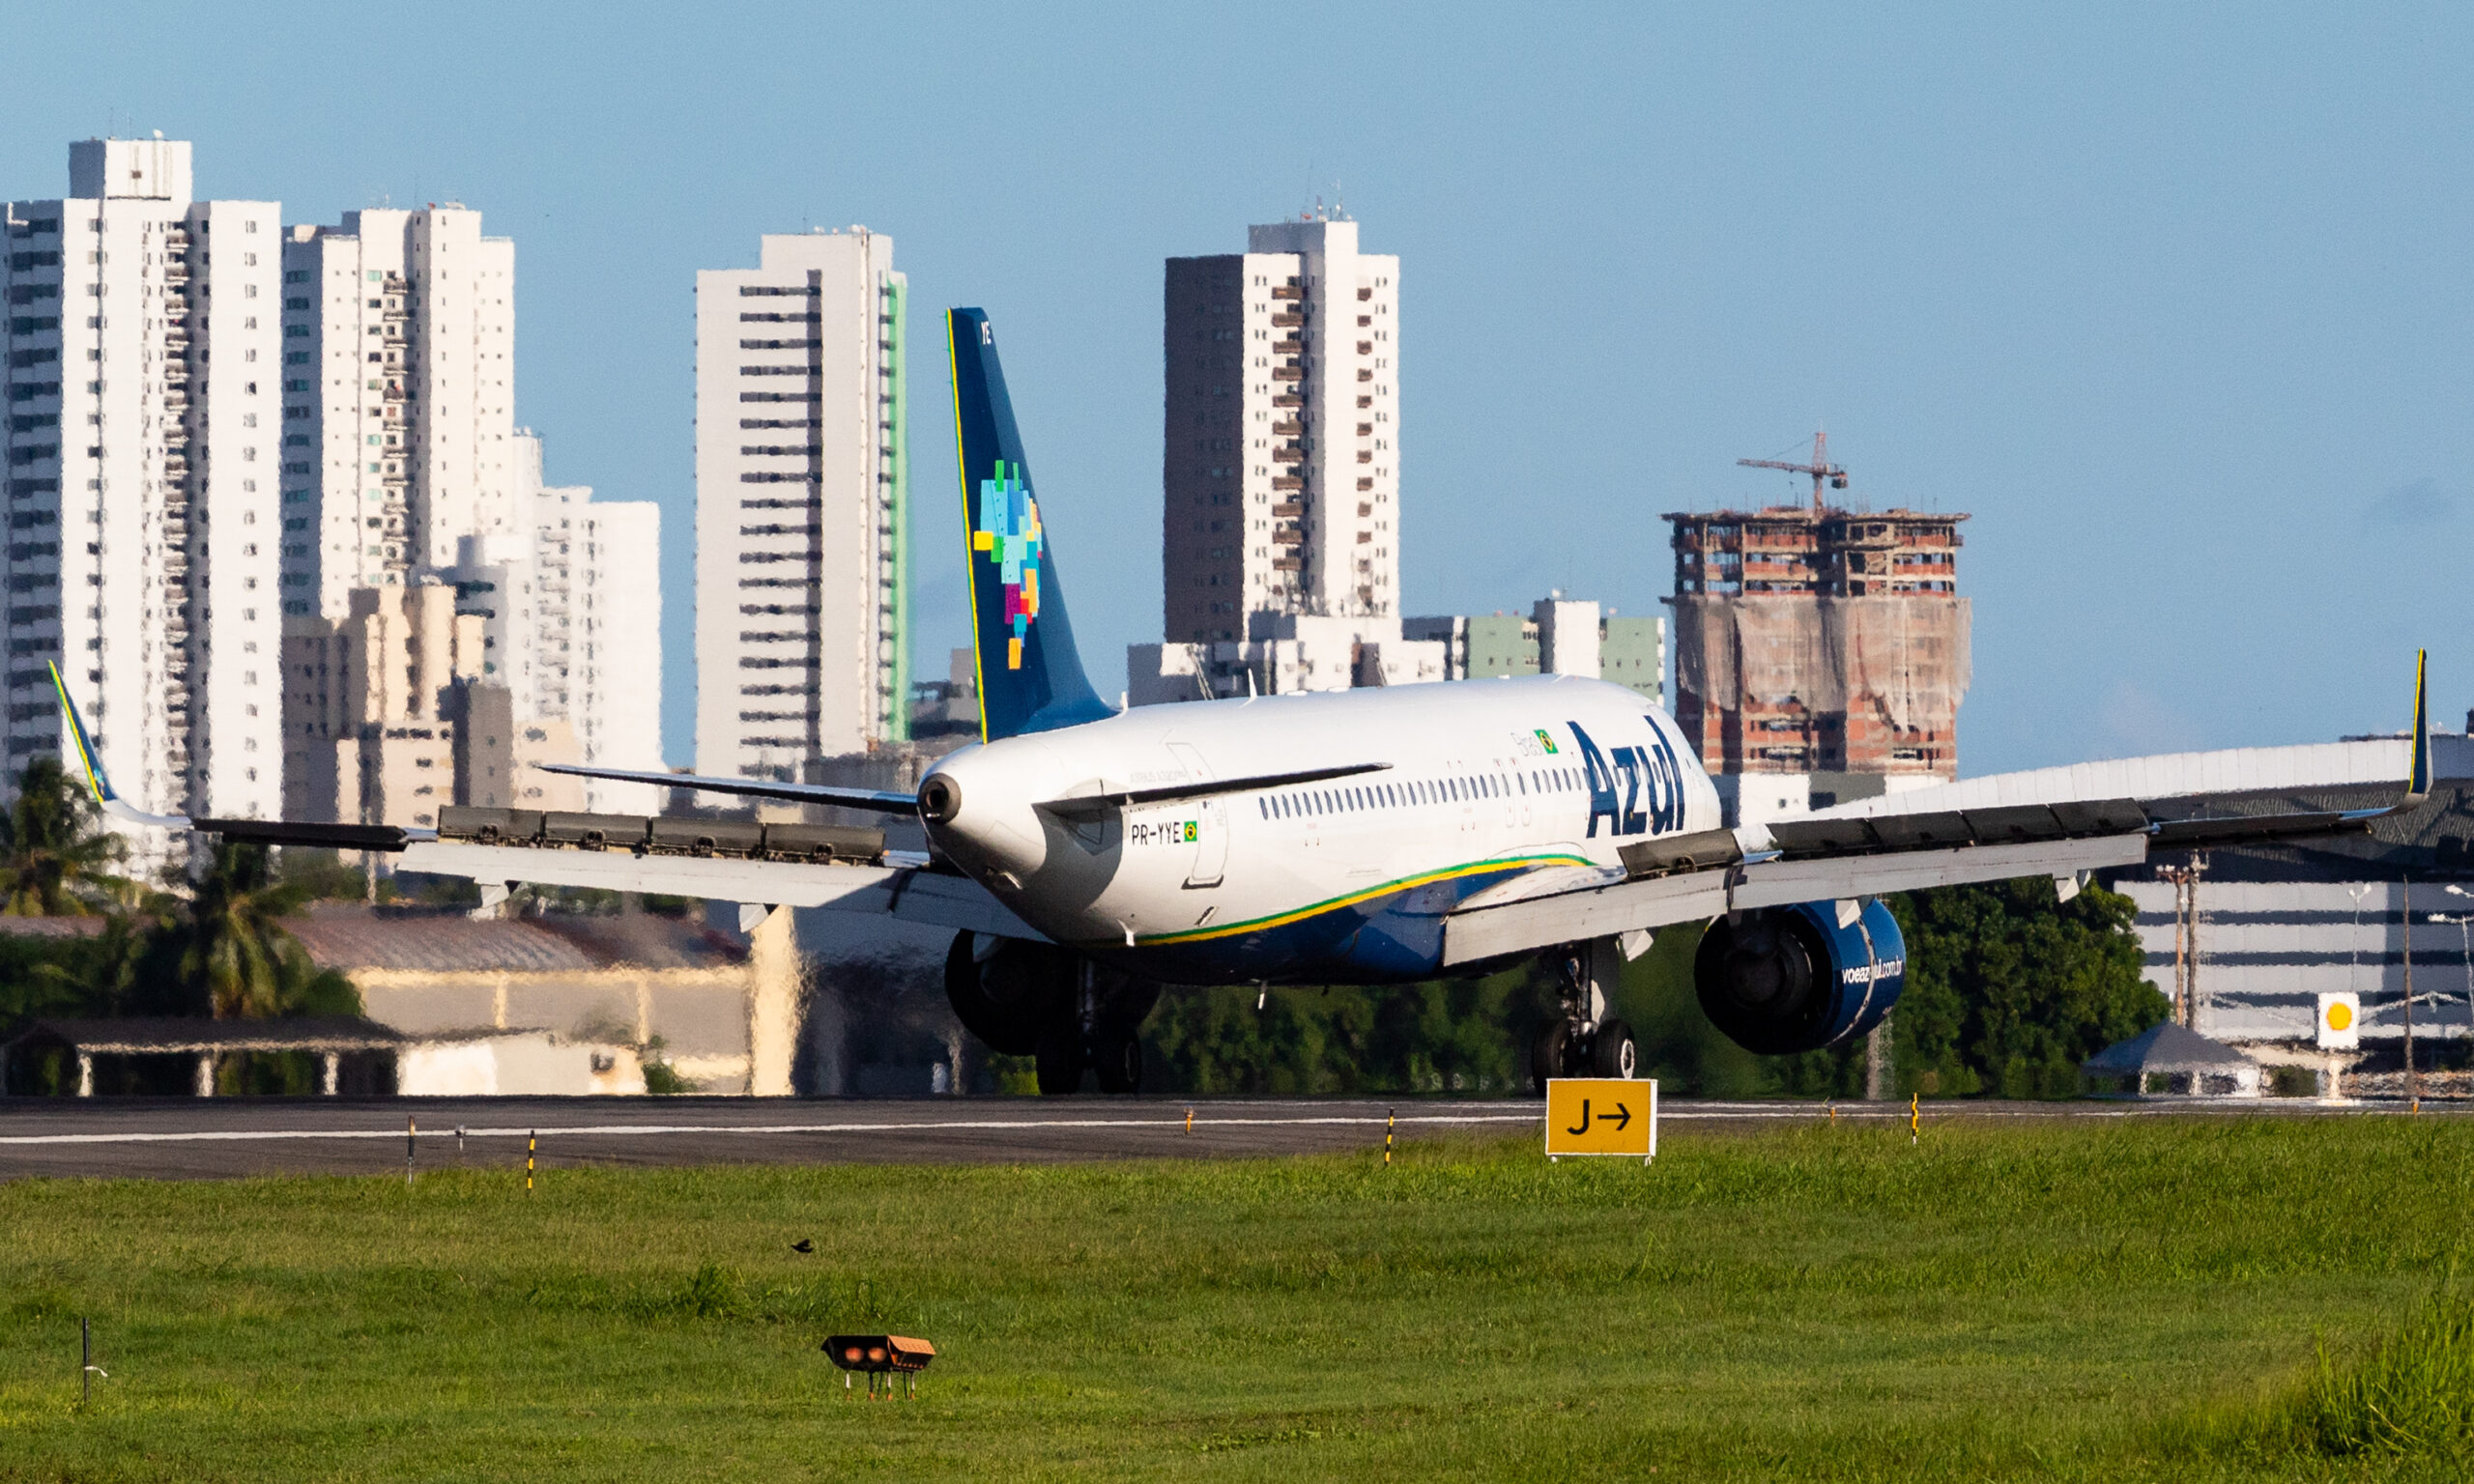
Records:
x=56, y=858
x=2008, y=990
x=234, y=951
x=1457, y=1035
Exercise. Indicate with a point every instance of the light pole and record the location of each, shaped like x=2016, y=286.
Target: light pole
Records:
x=2465, y=942
x=2354, y=962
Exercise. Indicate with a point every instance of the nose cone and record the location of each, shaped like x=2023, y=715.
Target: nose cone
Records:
x=977, y=805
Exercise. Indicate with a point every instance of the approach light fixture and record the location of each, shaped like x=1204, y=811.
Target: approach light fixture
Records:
x=894, y=1357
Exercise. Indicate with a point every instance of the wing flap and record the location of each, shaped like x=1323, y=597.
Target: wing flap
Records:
x=1697, y=852
x=2252, y=829
x=880, y=800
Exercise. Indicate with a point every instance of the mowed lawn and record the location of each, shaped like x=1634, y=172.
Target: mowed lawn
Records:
x=2105, y=1298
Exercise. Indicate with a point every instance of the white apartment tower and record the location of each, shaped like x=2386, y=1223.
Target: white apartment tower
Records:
x=801, y=481
x=1281, y=465
x=398, y=399
x=572, y=623
x=615, y=669
x=143, y=340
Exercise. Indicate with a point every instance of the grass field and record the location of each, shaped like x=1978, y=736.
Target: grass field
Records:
x=2104, y=1300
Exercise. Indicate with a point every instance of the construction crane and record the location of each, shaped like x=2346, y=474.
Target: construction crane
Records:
x=1821, y=469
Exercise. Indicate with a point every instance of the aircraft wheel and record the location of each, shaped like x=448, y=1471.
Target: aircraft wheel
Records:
x=1548, y=1052
x=1058, y=1058
x=1611, y=1052
x=1117, y=1060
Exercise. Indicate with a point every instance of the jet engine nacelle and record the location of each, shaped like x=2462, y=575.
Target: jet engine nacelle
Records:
x=1004, y=991
x=1799, y=978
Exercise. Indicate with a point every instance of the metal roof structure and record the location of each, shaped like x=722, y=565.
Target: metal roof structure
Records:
x=155, y=1035
x=2165, y=1047
x=348, y=939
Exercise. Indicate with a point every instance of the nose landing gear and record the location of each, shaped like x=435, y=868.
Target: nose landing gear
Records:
x=1586, y=1041
x=1099, y=1027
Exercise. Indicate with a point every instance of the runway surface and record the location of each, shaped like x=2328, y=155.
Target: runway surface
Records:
x=190, y=1138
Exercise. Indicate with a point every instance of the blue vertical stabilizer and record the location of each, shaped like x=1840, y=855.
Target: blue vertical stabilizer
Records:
x=1030, y=678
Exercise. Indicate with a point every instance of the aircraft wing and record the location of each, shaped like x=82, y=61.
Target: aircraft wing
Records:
x=757, y=866
x=1696, y=877
x=904, y=889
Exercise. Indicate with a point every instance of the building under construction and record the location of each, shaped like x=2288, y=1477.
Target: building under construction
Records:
x=1815, y=640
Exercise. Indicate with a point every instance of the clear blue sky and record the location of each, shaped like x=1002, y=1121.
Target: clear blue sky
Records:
x=2175, y=300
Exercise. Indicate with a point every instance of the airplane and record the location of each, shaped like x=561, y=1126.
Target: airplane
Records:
x=1088, y=857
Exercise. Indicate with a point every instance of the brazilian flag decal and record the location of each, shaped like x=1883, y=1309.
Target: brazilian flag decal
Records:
x=1546, y=741
x=1193, y=831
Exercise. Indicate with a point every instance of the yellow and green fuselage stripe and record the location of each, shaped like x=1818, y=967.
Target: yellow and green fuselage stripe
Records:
x=1360, y=898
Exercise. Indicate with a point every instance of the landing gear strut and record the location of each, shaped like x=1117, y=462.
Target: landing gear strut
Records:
x=1100, y=1030
x=1586, y=1041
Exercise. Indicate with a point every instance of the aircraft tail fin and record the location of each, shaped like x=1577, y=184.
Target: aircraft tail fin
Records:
x=1030, y=678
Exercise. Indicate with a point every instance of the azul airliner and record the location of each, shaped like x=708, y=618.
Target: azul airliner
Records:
x=1088, y=857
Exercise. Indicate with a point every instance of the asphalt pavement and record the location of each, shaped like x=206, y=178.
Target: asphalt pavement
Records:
x=181, y=1138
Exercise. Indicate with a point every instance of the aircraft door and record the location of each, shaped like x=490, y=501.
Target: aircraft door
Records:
x=1210, y=822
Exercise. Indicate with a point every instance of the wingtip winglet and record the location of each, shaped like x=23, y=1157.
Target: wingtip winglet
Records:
x=91, y=762
x=2418, y=777
x=93, y=766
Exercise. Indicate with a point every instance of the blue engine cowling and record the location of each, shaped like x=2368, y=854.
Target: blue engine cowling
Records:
x=1791, y=979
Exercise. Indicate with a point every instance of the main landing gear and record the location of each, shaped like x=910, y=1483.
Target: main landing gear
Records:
x=1586, y=1041
x=1054, y=1006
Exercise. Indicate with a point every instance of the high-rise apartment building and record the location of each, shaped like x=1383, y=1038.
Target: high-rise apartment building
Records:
x=143, y=340
x=594, y=656
x=802, y=482
x=1281, y=463
x=617, y=665
x=398, y=399
x=1280, y=474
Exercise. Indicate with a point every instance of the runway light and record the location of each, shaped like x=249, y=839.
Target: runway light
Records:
x=889, y=1356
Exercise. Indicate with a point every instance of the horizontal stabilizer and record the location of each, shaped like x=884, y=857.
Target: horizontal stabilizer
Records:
x=909, y=894
x=880, y=800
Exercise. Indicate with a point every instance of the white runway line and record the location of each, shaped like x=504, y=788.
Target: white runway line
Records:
x=1731, y=1114
x=251, y=1135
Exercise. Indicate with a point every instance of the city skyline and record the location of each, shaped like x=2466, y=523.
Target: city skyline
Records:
x=1970, y=246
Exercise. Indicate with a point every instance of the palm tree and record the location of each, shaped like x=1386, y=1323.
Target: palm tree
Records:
x=237, y=949
x=55, y=856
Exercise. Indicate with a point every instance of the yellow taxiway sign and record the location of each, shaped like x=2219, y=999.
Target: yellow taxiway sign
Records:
x=1602, y=1116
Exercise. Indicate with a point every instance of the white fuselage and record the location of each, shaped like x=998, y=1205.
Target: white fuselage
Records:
x=1343, y=879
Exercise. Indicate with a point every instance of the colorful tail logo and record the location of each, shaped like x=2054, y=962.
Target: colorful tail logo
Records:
x=1009, y=533
x=1029, y=677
